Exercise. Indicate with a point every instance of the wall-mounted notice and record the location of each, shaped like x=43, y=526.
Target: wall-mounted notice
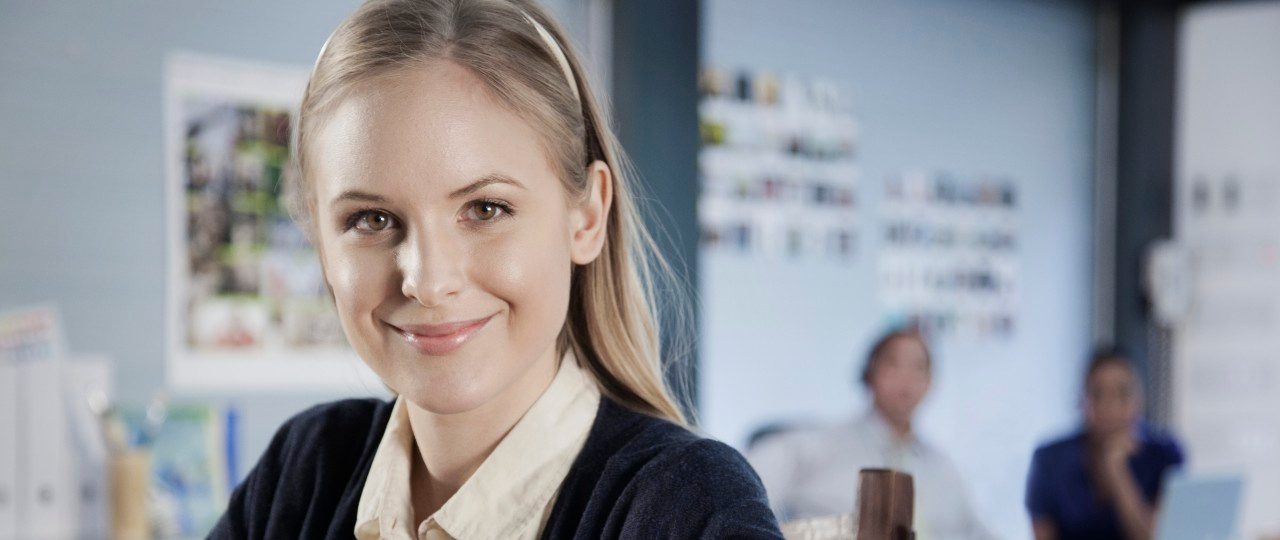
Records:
x=248, y=307
x=777, y=168
x=948, y=260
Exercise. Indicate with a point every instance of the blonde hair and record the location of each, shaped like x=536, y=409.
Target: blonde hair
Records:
x=520, y=54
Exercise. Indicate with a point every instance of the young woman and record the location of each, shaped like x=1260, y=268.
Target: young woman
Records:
x=1104, y=482
x=488, y=262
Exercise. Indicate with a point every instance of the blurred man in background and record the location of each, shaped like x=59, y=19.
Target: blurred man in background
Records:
x=813, y=472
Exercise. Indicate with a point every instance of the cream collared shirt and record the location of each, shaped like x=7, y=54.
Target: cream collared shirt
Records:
x=513, y=491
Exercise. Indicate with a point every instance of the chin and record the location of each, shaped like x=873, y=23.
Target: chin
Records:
x=441, y=385
x=901, y=414
x=469, y=378
x=1112, y=429
x=447, y=395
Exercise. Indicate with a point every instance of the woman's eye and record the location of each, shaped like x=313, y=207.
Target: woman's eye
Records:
x=373, y=221
x=485, y=211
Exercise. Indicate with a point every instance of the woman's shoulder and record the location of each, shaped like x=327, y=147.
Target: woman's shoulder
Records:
x=634, y=466
x=1161, y=444
x=306, y=481
x=1063, y=455
x=660, y=445
x=672, y=454
x=342, y=431
x=1062, y=446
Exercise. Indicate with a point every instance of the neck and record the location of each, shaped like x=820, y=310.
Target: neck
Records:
x=1099, y=437
x=450, y=447
x=899, y=425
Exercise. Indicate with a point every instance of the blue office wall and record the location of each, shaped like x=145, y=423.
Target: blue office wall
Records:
x=966, y=86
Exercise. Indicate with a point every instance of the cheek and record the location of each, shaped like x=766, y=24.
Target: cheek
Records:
x=915, y=386
x=1109, y=412
x=360, y=282
x=921, y=381
x=887, y=386
x=906, y=385
x=528, y=270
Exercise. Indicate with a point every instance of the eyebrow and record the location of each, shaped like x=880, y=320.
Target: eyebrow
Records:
x=357, y=195
x=491, y=178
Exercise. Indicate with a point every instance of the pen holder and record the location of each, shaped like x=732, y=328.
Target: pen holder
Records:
x=130, y=488
x=886, y=501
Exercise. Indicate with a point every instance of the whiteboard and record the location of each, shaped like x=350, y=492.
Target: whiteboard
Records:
x=1226, y=351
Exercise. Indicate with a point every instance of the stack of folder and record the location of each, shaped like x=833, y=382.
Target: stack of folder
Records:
x=52, y=453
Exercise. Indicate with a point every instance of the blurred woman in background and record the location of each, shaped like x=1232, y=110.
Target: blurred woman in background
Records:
x=1105, y=481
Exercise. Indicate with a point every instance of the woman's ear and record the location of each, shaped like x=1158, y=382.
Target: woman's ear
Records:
x=590, y=218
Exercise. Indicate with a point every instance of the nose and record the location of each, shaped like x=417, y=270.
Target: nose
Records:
x=432, y=268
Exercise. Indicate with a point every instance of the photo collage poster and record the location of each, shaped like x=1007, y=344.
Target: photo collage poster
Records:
x=948, y=260
x=777, y=167
x=245, y=281
x=780, y=181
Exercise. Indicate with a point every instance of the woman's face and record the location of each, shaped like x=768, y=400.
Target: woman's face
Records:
x=900, y=378
x=446, y=236
x=1112, y=400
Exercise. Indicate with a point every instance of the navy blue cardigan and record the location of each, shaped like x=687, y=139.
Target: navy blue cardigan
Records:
x=636, y=477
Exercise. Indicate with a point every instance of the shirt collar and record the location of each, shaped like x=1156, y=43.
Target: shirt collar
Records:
x=883, y=436
x=511, y=492
x=385, y=502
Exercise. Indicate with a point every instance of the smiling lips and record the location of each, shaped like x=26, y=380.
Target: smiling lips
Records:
x=440, y=339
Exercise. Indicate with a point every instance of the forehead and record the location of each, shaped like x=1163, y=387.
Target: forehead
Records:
x=436, y=124
x=1109, y=373
x=904, y=345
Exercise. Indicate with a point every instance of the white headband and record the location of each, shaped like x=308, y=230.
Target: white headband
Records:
x=559, y=54
x=542, y=32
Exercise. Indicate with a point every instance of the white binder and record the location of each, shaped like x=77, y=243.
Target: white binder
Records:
x=88, y=386
x=8, y=451
x=47, y=479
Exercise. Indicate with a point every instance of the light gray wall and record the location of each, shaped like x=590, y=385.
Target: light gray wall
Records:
x=82, y=208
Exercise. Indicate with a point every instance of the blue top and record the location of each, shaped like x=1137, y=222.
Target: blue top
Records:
x=1060, y=490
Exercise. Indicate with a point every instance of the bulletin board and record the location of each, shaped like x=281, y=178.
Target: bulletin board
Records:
x=247, y=305
x=778, y=168
x=948, y=258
